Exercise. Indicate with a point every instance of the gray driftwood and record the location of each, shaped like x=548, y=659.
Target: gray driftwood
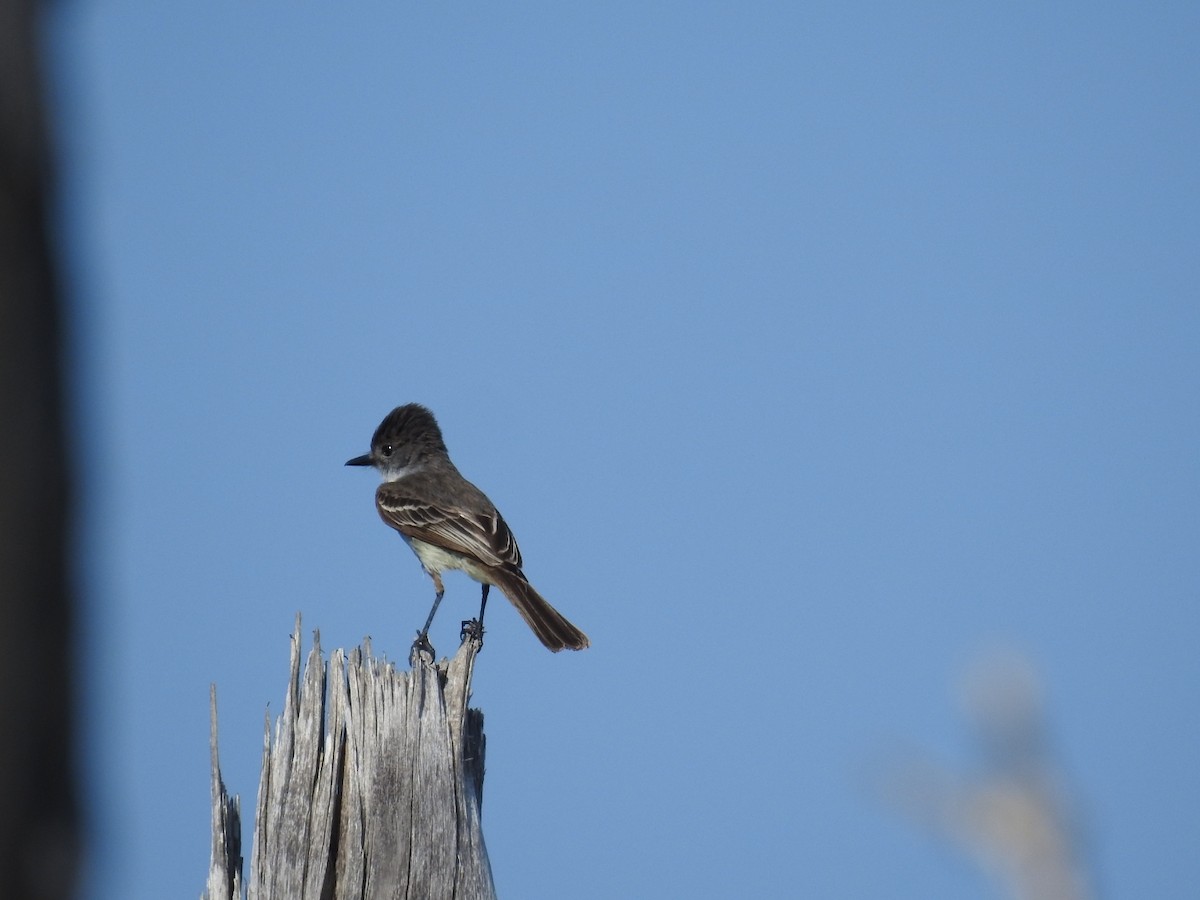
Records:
x=376, y=794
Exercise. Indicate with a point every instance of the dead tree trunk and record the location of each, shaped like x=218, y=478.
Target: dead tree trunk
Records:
x=377, y=794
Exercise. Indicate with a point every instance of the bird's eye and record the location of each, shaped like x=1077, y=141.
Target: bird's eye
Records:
x=386, y=449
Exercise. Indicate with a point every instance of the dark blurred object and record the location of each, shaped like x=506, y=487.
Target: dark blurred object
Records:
x=1012, y=816
x=38, y=809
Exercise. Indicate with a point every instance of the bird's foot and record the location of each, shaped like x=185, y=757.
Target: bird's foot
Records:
x=472, y=630
x=422, y=648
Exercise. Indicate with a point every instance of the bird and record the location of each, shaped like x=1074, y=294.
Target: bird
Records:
x=449, y=523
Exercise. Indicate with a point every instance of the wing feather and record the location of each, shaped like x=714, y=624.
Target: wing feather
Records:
x=484, y=536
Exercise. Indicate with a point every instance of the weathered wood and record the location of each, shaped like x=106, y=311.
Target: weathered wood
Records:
x=225, y=862
x=376, y=794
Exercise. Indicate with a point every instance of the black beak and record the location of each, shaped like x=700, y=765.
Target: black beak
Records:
x=364, y=460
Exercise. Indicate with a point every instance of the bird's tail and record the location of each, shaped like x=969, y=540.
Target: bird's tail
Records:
x=547, y=623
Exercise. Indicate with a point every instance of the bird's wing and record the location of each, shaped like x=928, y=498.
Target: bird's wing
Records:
x=483, y=535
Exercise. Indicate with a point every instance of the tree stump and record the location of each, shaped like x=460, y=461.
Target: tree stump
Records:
x=372, y=786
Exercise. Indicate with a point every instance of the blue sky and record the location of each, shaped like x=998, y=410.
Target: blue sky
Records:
x=811, y=351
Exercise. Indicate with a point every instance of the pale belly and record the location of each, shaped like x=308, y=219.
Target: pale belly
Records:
x=437, y=559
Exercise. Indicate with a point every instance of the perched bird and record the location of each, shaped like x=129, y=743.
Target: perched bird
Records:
x=451, y=524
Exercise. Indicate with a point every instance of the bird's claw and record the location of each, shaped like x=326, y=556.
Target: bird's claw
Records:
x=421, y=646
x=472, y=630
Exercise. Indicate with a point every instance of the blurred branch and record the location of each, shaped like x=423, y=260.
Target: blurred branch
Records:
x=1012, y=817
x=39, y=829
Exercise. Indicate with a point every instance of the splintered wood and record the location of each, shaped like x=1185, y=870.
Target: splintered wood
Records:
x=376, y=794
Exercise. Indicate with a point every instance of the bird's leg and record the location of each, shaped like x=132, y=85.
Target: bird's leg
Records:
x=422, y=641
x=473, y=628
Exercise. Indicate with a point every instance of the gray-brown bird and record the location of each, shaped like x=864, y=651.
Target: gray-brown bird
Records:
x=451, y=524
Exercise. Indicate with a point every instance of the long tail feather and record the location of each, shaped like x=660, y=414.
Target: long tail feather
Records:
x=550, y=626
